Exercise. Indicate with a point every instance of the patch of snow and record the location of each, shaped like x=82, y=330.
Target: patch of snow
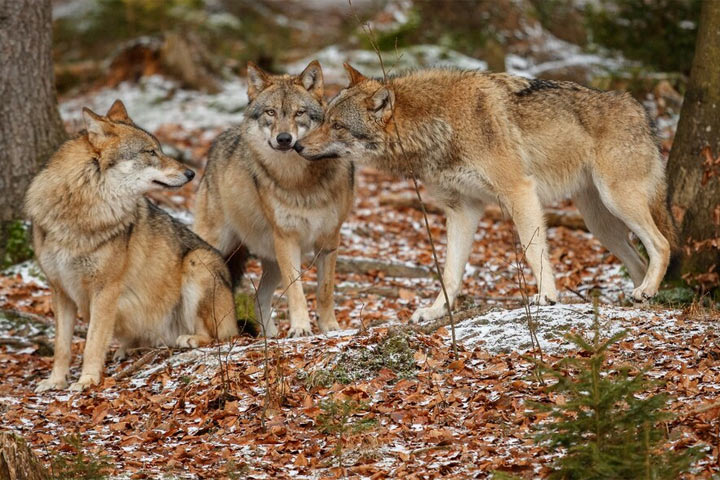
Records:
x=507, y=330
x=154, y=101
x=29, y=271
x=332, y=58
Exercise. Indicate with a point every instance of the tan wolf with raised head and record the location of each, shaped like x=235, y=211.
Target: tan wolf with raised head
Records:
x=474, y=137
x=258, y=193
x=127, y=266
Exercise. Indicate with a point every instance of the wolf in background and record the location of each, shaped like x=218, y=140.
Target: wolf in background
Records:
x=259, y=194
x=474, y=137
x=127, y=266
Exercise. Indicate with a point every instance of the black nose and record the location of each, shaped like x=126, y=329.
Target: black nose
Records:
x=189, y=174
x=298, y=148
x=284, y=139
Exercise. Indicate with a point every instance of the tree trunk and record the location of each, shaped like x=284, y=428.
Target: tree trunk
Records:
x=17, y=460
x=694, y=165
x=30, y=125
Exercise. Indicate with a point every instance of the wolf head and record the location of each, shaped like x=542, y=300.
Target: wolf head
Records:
x=130, y=159
x=284, y=108
x=354, y=124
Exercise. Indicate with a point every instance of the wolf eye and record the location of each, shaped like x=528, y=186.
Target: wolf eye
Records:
x=152, y=153
x=337, y=126
x=270, y=112
x=300, y=113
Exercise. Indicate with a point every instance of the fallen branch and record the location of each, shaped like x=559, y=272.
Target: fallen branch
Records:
x=41, y=342
x=147, y=358
x=366, y=266
x=446, y=320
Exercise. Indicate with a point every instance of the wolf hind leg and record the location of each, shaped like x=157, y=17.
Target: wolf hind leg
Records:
x=526, y=211
x=611, y=232
x=462, y=223
x=208, y=306
x=631, y=202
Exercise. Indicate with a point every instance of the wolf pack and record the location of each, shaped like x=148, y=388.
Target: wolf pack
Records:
x=279, y=186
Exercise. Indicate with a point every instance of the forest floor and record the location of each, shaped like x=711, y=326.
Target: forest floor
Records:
x=380, y=398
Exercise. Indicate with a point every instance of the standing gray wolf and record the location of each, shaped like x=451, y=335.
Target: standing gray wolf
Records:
x=126, y=265
x=258, y=193
x=473, y=137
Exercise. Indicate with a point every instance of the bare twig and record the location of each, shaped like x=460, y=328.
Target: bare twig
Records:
x=373, y=42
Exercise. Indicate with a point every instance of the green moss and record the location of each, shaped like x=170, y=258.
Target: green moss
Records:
x=72, y=463
x=659, y=33
x=245, y=312
x=396, y=352
x=675, y=297
x=17, y=245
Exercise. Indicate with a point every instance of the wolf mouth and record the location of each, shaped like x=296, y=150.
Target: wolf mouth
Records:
x=322, y=156
x=167, y=185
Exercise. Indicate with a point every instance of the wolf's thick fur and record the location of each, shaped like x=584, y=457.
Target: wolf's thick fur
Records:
x=473, y=137
x=257, y=193
x=124, y=264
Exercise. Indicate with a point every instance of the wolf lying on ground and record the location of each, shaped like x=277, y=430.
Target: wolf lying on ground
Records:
x=127, y=266
x=258, y=193
x=474, y=137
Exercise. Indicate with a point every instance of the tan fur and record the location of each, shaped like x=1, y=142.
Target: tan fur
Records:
x=273, y=202
x=473, y=137
x=124, y=264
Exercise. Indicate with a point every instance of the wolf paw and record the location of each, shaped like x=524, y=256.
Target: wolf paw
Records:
x=302, y=330
x=329, y=325
x=120, y=354
x=51, y=384
x=84, y=382
x=539, y=299
x=427, y=314
x=643, y=294
x=187, y=341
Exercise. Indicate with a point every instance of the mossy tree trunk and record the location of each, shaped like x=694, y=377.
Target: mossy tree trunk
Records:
x=17, y=460
x=694, y=165
x=30, y=124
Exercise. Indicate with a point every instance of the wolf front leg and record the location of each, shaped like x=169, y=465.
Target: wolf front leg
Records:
x=65, y=313
x=288, y=254
x=326, y=287
x=462, y=223
x=103, y=315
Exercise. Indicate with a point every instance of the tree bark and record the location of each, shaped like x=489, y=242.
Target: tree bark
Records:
x=694, y=164
x=17, y=460
x=30, y=125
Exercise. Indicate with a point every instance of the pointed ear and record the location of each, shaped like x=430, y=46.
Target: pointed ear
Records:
x=312, y=79
x=258, y=80
x=97, y=127
x=354, y=76
x=382, y=104
x=117, y=113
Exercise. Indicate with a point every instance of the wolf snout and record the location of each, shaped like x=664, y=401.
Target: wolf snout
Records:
x=189, y=174
x=298, y=147
x=284, y=140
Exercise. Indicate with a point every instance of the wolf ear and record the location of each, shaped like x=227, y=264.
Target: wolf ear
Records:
x=258, y=80
x=312, y=79
x=381, y=104
x=97, y=127
x=117, y=113
x=354, y=76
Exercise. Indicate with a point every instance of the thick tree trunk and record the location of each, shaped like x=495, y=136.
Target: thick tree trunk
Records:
x=694, y=165
x=17, y=461
x=30, y=124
